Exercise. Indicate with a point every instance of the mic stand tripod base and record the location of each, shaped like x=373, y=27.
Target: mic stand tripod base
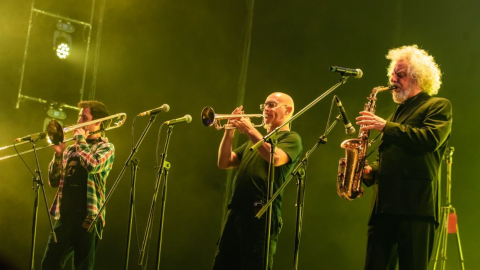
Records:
x=448, y=225
x=448, y=220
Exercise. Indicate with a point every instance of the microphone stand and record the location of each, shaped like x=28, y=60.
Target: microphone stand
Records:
x=127, y=163
x=162, y=171
x=448, y=223
x=271, y=175
x=38, y=183
x=134, y=168
x=267, y=139
x=299, y=171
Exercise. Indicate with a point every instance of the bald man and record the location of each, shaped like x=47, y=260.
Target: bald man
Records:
x=242, y=243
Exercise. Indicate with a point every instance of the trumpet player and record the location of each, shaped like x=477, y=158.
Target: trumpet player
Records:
x=405, y=176
x=241, y=245
x=79, y=173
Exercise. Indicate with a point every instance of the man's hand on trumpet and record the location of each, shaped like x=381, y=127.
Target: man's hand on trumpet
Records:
x=238, y=110
x=242, y=124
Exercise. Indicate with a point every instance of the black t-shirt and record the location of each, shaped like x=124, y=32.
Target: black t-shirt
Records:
x=74, y=192
x=251, y=180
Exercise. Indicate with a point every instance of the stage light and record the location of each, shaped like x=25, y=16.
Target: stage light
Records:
x=63, y=50
x=62, y=40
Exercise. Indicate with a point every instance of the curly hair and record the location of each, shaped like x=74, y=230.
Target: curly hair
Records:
x=422, y=67
x=97, y=110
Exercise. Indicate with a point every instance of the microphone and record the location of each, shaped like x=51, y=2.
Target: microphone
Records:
x=163, y=108
x=187, y=118
x=356, y=73
x=31, y=137
x=349, y=129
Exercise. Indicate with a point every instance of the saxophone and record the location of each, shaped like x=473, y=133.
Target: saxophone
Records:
x=350, y=168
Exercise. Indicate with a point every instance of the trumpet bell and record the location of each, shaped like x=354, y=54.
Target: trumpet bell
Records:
x=208, y=116
x=55, y=132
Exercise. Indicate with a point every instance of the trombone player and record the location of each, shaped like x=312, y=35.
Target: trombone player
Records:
x=79, y=172
x=241, y=245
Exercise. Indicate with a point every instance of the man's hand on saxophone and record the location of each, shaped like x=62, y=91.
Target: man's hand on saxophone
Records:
x=368, y=120
x=367, y=172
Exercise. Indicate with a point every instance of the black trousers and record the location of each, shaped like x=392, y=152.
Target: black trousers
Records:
x=395, y=239
x=241, y=246
x=72, y=239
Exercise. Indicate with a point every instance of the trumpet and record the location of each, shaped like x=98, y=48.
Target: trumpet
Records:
x=56, y=134
x=209, y=118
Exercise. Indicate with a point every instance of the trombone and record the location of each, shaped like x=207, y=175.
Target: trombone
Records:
x=209, y=118
x=56, y=133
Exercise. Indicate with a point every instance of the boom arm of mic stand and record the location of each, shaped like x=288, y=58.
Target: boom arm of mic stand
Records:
x=306, y=108
x=127, y=163
x=300, y=164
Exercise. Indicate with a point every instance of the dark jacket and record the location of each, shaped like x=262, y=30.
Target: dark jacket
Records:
x=407, y=170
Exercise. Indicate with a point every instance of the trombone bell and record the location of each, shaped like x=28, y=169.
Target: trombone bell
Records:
x=55, y=132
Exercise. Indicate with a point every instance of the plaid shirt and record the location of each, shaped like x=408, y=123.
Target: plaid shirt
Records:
x=97, y=158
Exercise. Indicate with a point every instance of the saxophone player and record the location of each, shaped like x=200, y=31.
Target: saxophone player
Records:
x=405, y=176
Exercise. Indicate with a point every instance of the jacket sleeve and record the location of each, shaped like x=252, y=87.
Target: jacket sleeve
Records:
x=426, y=136
x=370, y=182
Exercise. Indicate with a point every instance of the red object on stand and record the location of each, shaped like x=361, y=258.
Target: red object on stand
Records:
x=452, y=223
